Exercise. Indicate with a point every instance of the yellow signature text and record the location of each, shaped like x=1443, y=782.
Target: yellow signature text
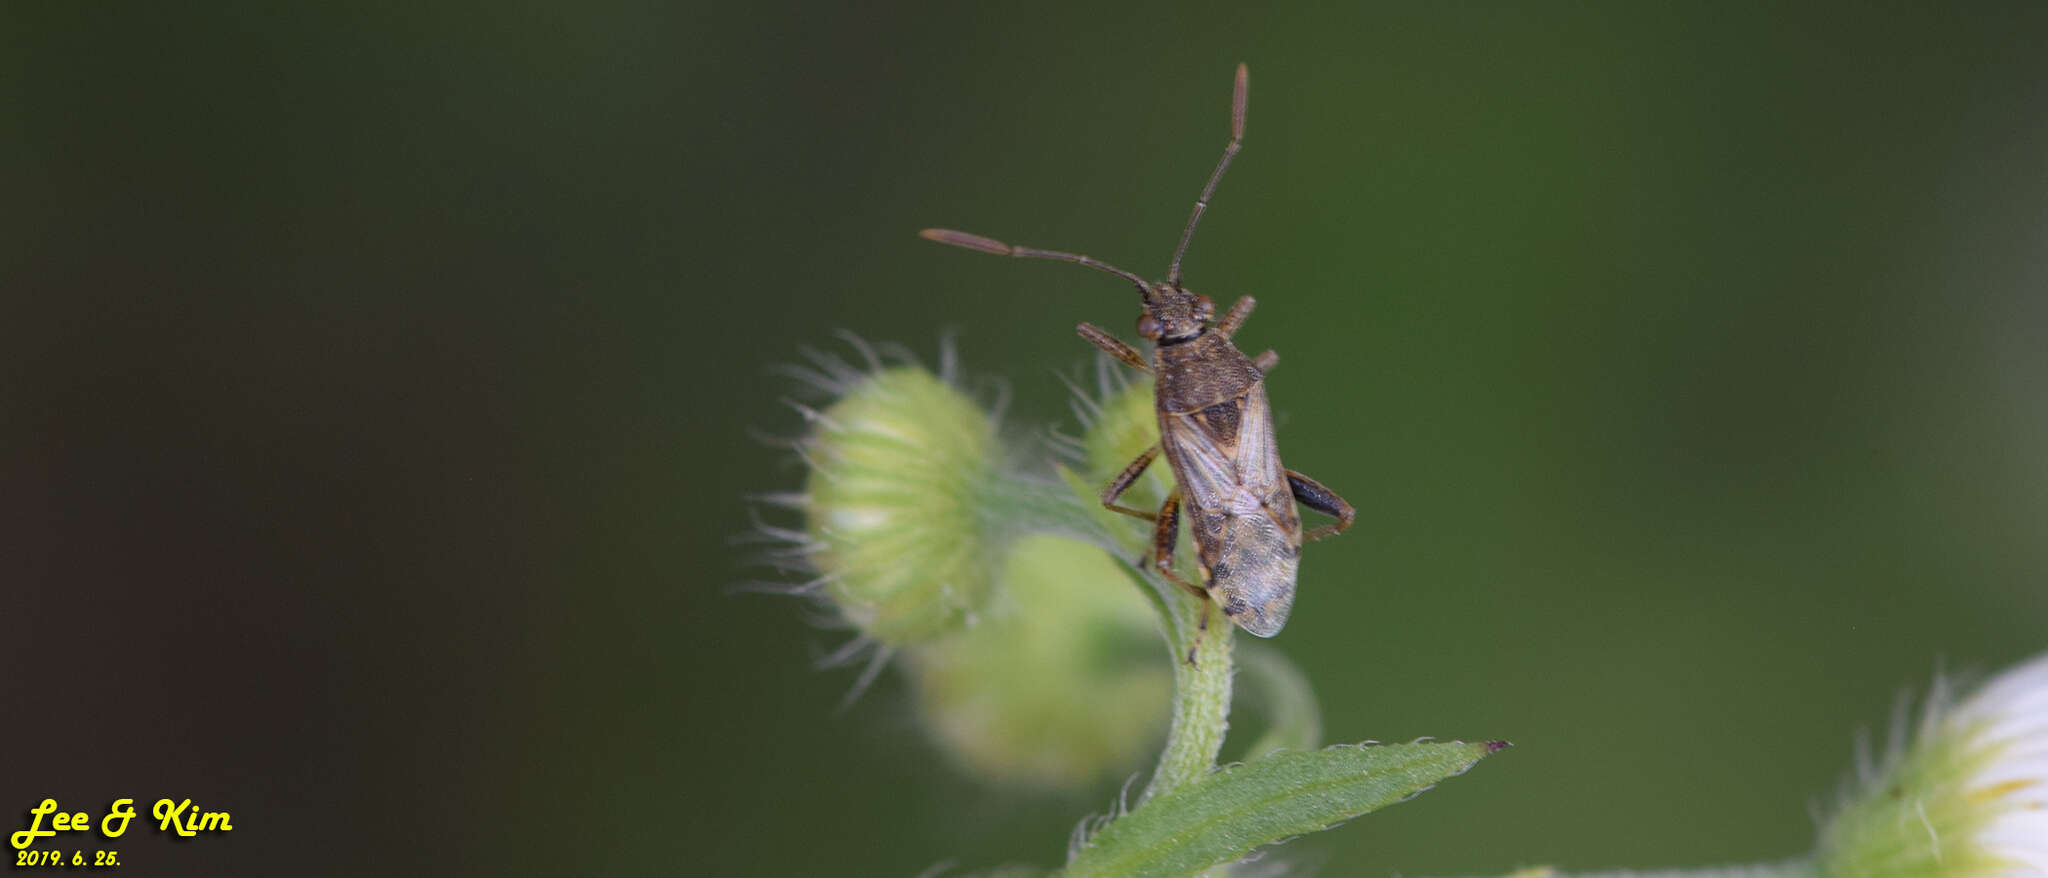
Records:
x=182, y=818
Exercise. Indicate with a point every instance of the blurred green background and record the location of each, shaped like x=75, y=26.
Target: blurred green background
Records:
x=379, y=383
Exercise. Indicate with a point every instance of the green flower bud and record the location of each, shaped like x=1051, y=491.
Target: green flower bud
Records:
x=891, y=511
x=1121, y=426
x=1061, y=683
x=1969, y=798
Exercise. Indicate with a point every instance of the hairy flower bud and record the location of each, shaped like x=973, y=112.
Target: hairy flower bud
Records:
x=891, y=511
x=1060, y=684
x=1969, y=797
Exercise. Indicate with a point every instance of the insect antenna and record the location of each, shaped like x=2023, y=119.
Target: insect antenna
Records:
x=990, y=245
x=1237, y=100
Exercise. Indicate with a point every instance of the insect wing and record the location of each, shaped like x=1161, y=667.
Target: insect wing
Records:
x=1257, y=560
x=1207, y=472
x=1241, y=513
x=1258, y=460
x=1259, y=553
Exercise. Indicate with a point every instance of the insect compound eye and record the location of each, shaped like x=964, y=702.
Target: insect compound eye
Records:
x=1148, y=326
x=1205, y=307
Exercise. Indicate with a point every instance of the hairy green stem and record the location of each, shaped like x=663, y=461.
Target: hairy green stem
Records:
x=1197, y=634
x=1202, y=670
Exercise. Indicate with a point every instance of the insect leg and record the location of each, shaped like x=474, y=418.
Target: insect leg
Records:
x=1266, y=361
x=1234, y=318
x=1122, y=483
x=1165, y=535
x=1313, y=495
x=1100, y=338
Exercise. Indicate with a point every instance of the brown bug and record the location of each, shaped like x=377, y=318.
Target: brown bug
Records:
x=1215, y=427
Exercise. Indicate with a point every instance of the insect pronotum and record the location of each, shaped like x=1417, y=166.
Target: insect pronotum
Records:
x=1215, y=427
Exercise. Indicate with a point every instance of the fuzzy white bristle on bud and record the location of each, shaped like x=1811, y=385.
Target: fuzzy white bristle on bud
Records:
x=1968, y=798
x=891, y=514
x=1032, y=658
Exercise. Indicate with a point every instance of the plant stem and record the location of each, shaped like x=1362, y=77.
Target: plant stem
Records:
x=1197, y=633
x=1202, y=674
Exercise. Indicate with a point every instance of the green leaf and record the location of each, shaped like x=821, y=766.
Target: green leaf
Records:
x=1226, y=815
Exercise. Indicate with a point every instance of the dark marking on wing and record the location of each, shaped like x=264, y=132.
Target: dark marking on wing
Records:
x=1222, y=421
